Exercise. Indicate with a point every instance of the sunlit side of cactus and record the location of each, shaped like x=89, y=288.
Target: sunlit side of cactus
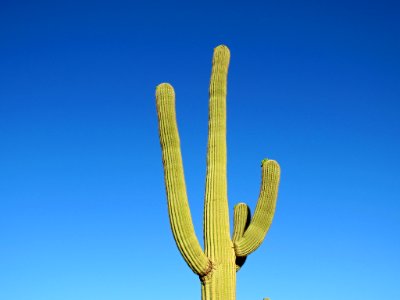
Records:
x=223, y=254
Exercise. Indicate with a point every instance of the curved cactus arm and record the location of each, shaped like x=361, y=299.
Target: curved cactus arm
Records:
x=178, y=206
x=265, y=209
x=241, y=220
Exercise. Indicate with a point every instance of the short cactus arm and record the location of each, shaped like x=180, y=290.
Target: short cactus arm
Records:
x=178, y=206
x=241, y=220
x=264, y=213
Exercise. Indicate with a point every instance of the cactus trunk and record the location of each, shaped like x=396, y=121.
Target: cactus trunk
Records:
x=217, y=239
x=223, y=255
x=221, y=285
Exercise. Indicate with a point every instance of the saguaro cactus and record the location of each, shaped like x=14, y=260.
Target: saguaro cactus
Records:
x=223, y=255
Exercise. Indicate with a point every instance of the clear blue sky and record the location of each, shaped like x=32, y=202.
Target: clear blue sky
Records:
x=312, y=84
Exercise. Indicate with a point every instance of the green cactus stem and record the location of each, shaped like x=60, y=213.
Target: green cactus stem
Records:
x=223, y=255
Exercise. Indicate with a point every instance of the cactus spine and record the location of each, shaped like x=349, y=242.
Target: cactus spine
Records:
x=223, y=255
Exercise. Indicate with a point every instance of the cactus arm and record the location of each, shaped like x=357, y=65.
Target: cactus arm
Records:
x=216, y=214
x=241, y=220
x=264, y=212
x=178, y=206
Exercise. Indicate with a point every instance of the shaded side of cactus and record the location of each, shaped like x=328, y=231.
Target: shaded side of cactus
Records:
x=223, y=254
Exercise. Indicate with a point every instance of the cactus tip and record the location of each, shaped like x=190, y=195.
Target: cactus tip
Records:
x=264, y=161
x=164, y=85
x=221, y=47
x=222, y=52
x=164, y=89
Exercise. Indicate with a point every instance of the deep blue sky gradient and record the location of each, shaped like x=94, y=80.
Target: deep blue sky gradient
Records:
x=312, y=84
